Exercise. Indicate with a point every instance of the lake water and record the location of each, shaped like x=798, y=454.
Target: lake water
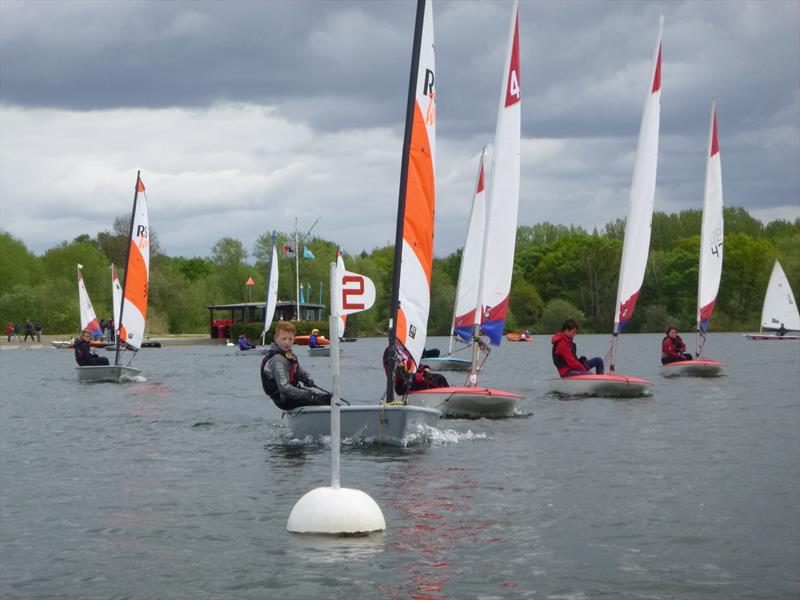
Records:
x=181, y=486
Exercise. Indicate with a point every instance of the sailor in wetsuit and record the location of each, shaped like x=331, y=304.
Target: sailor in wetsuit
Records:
x=281, y=374
x=83, y=351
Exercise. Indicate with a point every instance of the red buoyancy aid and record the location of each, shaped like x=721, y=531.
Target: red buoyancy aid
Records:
x=269, y=385
x=674, y=348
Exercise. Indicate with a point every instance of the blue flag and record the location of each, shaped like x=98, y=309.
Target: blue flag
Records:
x=302, y=296
x=307, y=253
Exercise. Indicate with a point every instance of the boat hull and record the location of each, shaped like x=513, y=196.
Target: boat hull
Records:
x=703, y=367
x=448, y=363
x=107, y=374
x=324, y=351
x=760, y=337
x=302, y=340
x=393, y=425
x=609, y=386
x=516, y=337
x=252, y=352
x=468, y=402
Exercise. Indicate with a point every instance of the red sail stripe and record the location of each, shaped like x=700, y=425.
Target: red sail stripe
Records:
x=657, y=77
x=714, y=140
x=513, y=93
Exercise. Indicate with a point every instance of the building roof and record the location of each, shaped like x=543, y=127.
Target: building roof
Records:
x=261, y=305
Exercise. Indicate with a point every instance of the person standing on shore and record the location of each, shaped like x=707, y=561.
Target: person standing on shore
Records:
x=28, y=330
x=38, y=327
x=10, y=330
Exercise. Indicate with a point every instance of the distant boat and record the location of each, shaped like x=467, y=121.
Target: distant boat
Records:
x=780, y=309
x=711, y=238
x=634, y=248
x=88, y=318
x=389, y=422
x=518, y=337
x=133, y=302
x=488, y=258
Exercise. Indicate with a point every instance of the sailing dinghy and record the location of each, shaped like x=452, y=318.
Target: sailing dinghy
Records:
x=133, y=305
x=780, y=308
x=634, y=249
x=487, y=270
x=388, y=422
x=325, y=350
x=711, y=238
x=88, y=317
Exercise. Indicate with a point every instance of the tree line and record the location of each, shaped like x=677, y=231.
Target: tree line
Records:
x=559, y=272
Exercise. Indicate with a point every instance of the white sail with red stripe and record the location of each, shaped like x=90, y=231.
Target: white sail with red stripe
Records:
x=133, y=313
x=420, y=201
x=88, y=317
x=467, y=311
x=642, y=197
x=711, y=233
x=503, y=195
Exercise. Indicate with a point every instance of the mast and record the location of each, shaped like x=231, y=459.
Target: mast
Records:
x=127, y=258
x=401, y=201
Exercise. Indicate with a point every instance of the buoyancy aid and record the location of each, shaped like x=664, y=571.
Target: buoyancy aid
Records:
x=559, y=360
x=672, y=347
x=268, y=383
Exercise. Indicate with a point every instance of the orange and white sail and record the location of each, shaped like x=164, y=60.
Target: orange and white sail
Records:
x=711, y=233
x=88, y=317
x=133, y=313
x=503, y=195
x=420, y=201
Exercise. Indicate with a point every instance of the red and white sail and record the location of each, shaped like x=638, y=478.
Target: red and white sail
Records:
x=88, y=318
x=503, y=195
x=420, y=202
x=711, y=234
x=642, y=196
x=116, y=296
x=342, y=318
x=466, y=313
x=137, y=273
x=780, y=307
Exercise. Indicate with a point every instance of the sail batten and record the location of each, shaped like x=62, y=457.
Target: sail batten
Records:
x=503, y=196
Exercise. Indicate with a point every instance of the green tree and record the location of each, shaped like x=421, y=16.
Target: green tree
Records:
x=556, y=312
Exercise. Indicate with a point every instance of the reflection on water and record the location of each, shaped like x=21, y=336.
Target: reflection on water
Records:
x=180, y=486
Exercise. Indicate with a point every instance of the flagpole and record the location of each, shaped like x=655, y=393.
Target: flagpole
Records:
x=297, y=271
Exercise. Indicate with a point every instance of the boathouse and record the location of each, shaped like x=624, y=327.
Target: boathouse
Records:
x=223, y=316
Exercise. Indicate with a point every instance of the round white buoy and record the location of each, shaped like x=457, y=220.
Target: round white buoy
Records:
x=336, y=511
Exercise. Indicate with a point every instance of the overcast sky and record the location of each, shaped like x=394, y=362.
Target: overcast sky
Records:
x=245, y=115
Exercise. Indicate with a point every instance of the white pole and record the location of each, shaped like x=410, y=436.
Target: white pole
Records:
x=335, y=417
x=296, y=272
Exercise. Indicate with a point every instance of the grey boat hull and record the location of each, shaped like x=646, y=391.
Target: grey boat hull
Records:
x=107, y=374
x=393, y=425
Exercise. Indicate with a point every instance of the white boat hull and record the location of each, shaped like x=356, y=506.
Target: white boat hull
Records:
x=107, y=374
x=693, y=368
x=324, y=351
x=252, y=352
x=448, y=363
x=762, y=337
x=467, y=402
x=61, y=345
x=609, y=386
x=393, y=425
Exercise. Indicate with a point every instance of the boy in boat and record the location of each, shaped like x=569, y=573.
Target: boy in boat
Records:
x=565, y=353
x=83, y=351
x=281, y=374
x=672, y=347
x=244, y=343
x=312, y=339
